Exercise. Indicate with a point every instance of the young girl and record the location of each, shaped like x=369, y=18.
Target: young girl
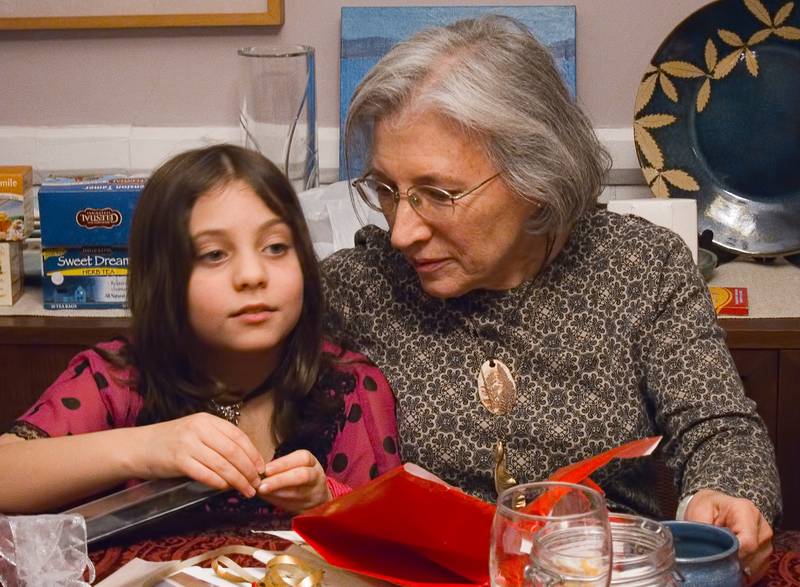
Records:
x=225, y=377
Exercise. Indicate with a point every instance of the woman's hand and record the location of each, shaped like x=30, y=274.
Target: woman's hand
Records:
x=741, y=517
x=201, y=446
x=295, y=482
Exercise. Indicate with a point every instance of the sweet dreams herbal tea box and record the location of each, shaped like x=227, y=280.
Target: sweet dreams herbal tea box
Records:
x=16, y=202
x=85, y=225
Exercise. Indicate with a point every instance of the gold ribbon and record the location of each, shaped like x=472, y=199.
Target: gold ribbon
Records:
x=283, y=570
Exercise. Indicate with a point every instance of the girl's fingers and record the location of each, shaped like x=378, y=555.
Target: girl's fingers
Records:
x=199, y=472
x=293, y=478
x=298, y=498
x=228, y=448
x=295, y=459
x=286, y=495
x=243, y=441
x=221, y=465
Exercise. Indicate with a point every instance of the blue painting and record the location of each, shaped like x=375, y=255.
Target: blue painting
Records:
x=369, y=32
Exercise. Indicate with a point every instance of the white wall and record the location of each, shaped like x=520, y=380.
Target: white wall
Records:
x=187, y=77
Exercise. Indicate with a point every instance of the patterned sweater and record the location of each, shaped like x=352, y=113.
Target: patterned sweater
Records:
x=615, y=340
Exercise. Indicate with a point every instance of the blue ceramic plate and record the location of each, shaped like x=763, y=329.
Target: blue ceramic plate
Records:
x=717, y=118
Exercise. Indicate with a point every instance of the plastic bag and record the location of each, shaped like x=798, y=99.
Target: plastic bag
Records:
x=44, y=550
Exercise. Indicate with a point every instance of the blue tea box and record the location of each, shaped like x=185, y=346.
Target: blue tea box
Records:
x=85, y=225
x=76, y=212
x=84, y=277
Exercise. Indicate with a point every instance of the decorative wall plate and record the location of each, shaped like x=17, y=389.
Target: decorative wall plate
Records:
x=717, y=118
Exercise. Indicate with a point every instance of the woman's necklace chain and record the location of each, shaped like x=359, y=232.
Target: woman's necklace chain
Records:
x=497, y=390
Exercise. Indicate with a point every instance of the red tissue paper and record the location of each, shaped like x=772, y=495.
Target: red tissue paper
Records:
x=410, y=528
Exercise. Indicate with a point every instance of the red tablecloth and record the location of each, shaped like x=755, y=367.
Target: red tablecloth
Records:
x=784, y=564
x=184, y=535
x=784, y=568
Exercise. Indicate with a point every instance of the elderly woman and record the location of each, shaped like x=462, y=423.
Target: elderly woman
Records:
x=520, y=327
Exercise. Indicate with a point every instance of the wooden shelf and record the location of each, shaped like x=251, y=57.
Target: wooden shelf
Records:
x=762, y=333
x=36, y=330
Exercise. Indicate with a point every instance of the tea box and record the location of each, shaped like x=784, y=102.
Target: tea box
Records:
x=11, y=274
x=85, y=226
x=85, y=277
x=88, y=212
x=16, y=202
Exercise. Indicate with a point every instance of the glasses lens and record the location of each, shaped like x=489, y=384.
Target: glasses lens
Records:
x=376, y=194
x=429, y=200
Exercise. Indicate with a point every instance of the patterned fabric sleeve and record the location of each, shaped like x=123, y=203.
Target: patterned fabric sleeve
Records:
x=715, y=437
x=89, y=396
x=367, y=444
x=346, y=317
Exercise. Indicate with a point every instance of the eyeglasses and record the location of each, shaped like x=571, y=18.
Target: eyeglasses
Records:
x=427, y=200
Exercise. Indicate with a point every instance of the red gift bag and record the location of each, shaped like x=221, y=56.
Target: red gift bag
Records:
x=406, y=527
x=410, y=528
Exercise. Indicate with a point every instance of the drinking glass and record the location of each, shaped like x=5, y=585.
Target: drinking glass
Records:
x=550, y=533
x=643, y=552
x=278, y=109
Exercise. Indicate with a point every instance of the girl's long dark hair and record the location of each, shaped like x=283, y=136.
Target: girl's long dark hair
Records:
x=171, y=380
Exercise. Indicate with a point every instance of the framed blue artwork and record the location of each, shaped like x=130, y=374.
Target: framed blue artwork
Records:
x=369, y=32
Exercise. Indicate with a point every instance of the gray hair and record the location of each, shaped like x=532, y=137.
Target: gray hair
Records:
x=492, y=78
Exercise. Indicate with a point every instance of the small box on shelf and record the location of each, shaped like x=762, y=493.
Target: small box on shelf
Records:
x=10, y=272
x=16, y=202
x=730, y=300
x=85, y=226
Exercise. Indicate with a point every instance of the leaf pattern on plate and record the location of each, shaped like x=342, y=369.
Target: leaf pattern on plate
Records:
x=651, y=155
x=760, y=12
x=646, y=89
x=682, y=69
x=660, y=180
x=789, y=33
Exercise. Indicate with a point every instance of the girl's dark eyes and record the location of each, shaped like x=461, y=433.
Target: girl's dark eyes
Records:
x=276, y=248
x=214, y=256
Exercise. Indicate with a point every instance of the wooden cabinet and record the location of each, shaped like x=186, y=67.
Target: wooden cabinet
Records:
x=767, y=379
x=35, y=350
x=759, y=372
x=788, y=447
x=767, y=354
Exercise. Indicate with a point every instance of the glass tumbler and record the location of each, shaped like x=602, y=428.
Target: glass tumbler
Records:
x=643, y=552
x=549, y=533
x=277, y=109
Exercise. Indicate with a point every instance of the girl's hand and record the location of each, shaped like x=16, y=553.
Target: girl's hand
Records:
x=295, y=482
x=201, y=446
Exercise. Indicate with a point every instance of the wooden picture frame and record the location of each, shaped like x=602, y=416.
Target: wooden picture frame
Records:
x=271, y=14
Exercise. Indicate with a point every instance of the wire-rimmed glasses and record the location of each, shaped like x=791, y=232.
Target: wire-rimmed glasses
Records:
x=427, y=200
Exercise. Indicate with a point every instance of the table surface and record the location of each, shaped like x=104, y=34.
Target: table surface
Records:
x=784, y=566
x=772, y=288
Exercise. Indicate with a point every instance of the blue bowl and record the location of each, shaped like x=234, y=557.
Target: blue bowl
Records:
x=706, y=555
